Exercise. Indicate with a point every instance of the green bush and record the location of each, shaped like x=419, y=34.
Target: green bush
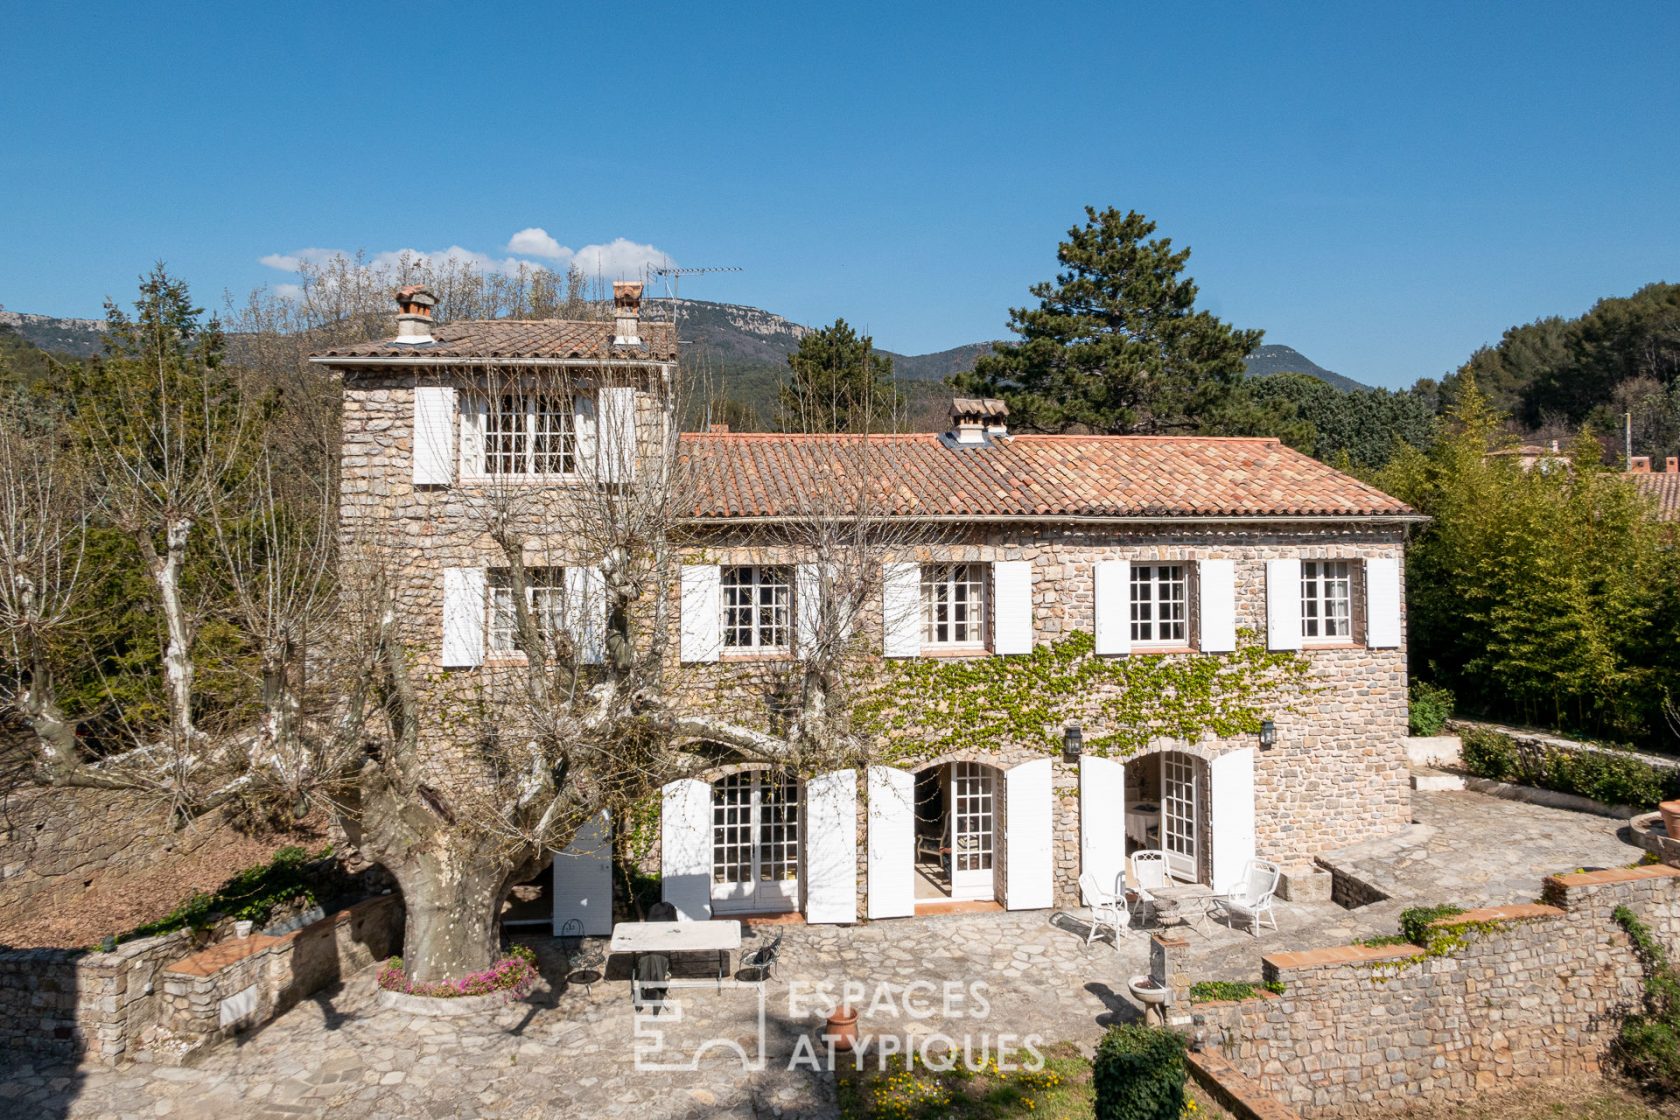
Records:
x=1139, y=1074
x=1648, y=1045
x=1430, y=708
x=293, y=875
x=1206, y=991
x=1415, y=923
x=1612, y=774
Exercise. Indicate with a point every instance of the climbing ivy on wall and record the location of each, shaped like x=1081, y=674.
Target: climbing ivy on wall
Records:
x=928, y=706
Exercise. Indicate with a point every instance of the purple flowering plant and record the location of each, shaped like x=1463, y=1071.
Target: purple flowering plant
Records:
x=514, y=976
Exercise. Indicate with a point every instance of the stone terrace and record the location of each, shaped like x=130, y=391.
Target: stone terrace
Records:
x=568, y=1053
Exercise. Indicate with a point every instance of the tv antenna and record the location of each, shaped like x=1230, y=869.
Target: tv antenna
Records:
x=672, y=275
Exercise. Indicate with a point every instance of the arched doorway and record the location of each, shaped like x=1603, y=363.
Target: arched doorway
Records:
x=755, y=842
x=956, y=834
x=1166, y=809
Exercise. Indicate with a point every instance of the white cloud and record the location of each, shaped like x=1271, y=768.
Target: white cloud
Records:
x=618, y=259
x=535, y=242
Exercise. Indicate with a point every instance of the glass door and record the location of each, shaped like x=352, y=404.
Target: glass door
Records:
x=1178, y=814
x=972, y=836
x=755, y=842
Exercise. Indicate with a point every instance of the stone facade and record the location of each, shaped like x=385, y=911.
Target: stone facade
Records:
x=1338, y=769
x=1535, y=994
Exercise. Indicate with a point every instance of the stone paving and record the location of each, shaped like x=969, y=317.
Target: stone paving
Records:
x=570, y=1050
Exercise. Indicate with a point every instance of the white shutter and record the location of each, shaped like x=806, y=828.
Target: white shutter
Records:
x=831, y=848
x=1102, y=821
x=586, y=612
x=1012, y=614
x=583, y=431
x=1231, y=818
x=434, y=449
x=463, y=617
x=1216, y=582
x=474, y=412
x=901, y=609
x=892, y=843
x=702, y=612
x=807, y=607
x=1029, y=832
x=685, y=848
x=1283, y=604
x=1111, y=593
x=583, y=879
x=615, y=433
x=1382, y=603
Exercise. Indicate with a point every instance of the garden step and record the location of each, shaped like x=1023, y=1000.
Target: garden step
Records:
x=1429, y=778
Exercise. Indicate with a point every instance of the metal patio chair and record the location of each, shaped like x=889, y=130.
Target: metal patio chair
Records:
x=1107, y=909
x=1250, y=899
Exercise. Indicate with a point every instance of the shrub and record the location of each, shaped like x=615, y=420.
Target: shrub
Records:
x=1648, y=1045
x=1488, y=754
x=293, y=875
x=1139, y=1073
x=1416, y=923
x=1205, y=991
x=1431, y=707
x=1611, y=774
x=515, y=974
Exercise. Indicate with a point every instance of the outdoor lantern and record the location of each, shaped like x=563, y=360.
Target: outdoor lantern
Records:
x=1073, y=741
x=1268, y=734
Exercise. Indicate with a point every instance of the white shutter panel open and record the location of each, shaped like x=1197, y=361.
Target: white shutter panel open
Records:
x=583, y=879
x=1012, y=615
x=1216, y=582
x=463, y=617
x=1028, y=843
x=685, y=848
x=584, y=433
x=1102, y=821
x=434, y=425
x=1231, y=817
x=1382, y=603
x=1283, y=604
x=831, y=848
x=807, y=607
x=702, y=612
x=892, y=843
x=586, y=612
x=615, y=433
x=474, y=412
x=1111, y=594
x=901, y=609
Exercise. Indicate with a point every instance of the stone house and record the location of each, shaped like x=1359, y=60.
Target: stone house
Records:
x=1182, y=550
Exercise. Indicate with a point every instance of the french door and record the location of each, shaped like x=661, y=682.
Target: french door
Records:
x=755, y=842
x=973, y=816
x=1178, y=814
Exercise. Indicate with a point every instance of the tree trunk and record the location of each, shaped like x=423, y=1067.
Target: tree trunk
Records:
x=453, y=896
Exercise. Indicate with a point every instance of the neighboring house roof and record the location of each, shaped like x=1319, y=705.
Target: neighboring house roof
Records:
x=1665, y=489
x=489, y=340
x=741, y=475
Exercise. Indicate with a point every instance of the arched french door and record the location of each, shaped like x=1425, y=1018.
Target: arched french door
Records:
x=1180, y=814
x=956, y=833
x=755, y=842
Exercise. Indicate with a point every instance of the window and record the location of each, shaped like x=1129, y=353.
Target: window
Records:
x=953, y=604
x=756, y=608
x=545, y=594
x=529, y=433
x=1158, y=604
x=1326, y=600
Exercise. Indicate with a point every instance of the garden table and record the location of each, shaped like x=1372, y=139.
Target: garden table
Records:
x=1188, y=902
x=637, y=938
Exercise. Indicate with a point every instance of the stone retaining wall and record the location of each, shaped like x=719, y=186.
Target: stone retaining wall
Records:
x=1534, y=994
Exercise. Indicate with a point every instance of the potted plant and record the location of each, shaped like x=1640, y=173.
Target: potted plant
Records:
x=841, y=1028
x=1670, y=811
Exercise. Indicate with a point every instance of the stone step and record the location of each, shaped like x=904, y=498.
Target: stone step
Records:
x=1429, y=778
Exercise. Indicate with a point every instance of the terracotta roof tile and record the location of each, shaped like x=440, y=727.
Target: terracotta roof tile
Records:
x=1665, y=489
x=509, y=339
x=775, y=475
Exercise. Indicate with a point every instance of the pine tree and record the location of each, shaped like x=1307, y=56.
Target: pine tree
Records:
x=838, y=383
x=1116, y=344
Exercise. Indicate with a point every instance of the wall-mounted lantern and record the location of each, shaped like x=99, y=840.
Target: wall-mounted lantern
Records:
x=1268, y=734
x=1073, y=743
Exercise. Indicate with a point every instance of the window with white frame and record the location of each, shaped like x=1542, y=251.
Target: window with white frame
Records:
x=545, y=595
x=953, y=605
x=528, y=433
x=1158, y=604
x=757, y=608
x=1326, y=600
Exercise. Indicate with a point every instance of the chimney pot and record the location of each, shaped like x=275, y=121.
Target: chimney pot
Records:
x=1640, y=464
x=1671, y=464
x=414, y=318
x=718, y=429
x=977, y=419
x=627, y=307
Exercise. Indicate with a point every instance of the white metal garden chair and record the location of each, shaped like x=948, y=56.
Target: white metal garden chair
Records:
x=1149, y=873
x=1249, y=901
x=1107, y=909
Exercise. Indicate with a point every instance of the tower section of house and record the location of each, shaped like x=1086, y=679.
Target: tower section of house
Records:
x=998, y=546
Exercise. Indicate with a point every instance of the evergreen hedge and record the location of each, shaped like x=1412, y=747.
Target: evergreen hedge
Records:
x=1608, y=774
x=1139, y=1074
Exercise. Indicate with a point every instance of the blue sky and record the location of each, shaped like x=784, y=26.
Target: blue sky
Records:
x=1383, y=190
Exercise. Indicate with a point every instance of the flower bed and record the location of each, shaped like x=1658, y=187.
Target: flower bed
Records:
x=512, y=977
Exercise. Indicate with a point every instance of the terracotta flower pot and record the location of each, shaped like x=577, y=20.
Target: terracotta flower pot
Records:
x=841, y=1029
x=1670, y=811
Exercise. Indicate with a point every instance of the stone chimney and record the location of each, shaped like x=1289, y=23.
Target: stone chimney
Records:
x=414, y=314
x=977, y=420
x=1640, y=464
x=1672, y=464
x=627, y=308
